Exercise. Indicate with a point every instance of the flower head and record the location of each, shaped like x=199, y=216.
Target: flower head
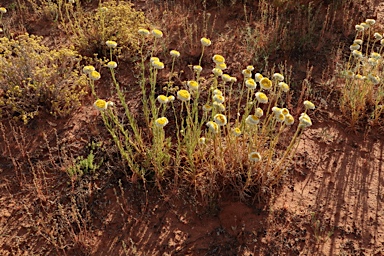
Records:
x=354, y=47
x=3, y=10
x=158, y=64
x=246, y=73
x=111, y=44
x=219, y=106
x=284, y=87
x=207, y=107
x=259, y=112
x=364, y=25
x=197, y=68
x=94, y=75
x=258, y=77
x=112, y=64
x=378, y=36
x=202, y=140
x=236, y=131
x=220, y=119
x=250, y=68
x=285, y=111
x=289, y=120
x=174, y=53
x=152, y=59
x=143, y=31
x=193, y=85
x=157, y=33
x=309, y=105
x=250, y=84
x=359, y=28
x=217, y=92
x=370, y=22
x=261, y=97
x=88, y=69
x=375, y=55
x=276, y=110
x=252, y=120
x=171, y=98
x=162, y=99
x=217, y=71
x=219, y=98
x=279, y=77
x=205, y=41
x=213, y=127
x=233, y=79
x=358, y=41
x=305, y=121
x=265, y=83
x=357, y=54
x=100, y=105
x=218, y=59
x=161, y=122
x=183, y=95
x=254, y=157
x=280, y=117
x=221, y=66
x=226, y=77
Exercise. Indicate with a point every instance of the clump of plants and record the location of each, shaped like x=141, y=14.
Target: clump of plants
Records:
x=110, y=21
x=225, y=133
x=34, y=78
x=362, y=92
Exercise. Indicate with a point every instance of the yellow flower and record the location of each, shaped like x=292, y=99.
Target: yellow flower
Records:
x=3, y=10
x=217, y=71
x=259, y=112
x=375, y=55
x=162, y=99
x=219, y=106
x=205, y=41
x=285, y=111
x=143, y=32
x=279, y=77
x=233, y=79
x=236, y=131
x=250, y=68
x=183, y=95
x=359, y=28
x=364, y=25
x=254, y=156
x=261, y=97
x=226, y=77
x=218, y=98
x=221, y=66
x=213, y=127
x=246, y=73
x=378, y=36
x=370, y=22
x=265, y=83
x=276, y=110
x=94, y=75
x=305, y=121
x=197, y=68
x=88, y=69
x=218, y=59
x=111, y=44
x=161, y=122
x=152, y=59
x=358, y=41
x=112, y=64
x=217, y=92
x=220, y=119
x=202, y=140
x=280, y=117
x=158, y=64
x=171, y=98
x=360, y=77
x=284, y=87
x=252, y=120
x=289, y=120
x=250, y=84
x=207, y=107
x=354, y=47
x=157, y=33
x=357, y=54
x=258, y=77
x=309, y=105
x=100, y=105
x=175, y=53
x=193, y=85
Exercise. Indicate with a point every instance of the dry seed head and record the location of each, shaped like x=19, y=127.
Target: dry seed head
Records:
x=254, y=157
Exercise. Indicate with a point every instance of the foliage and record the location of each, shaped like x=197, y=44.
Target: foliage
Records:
x=35, y=78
